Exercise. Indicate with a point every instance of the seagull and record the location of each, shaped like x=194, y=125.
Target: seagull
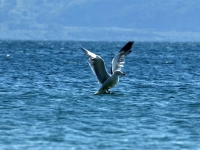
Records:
x=98, y=67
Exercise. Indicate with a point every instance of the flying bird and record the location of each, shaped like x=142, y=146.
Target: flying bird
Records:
x=98, y=67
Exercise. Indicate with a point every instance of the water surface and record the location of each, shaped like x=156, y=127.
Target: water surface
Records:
x=47, y=101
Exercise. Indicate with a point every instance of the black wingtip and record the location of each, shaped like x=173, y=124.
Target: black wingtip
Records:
x=127, y=46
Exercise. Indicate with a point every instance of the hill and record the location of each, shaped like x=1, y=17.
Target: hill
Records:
x=100, y=19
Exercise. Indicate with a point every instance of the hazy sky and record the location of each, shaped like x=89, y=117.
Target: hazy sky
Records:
x=156, y=20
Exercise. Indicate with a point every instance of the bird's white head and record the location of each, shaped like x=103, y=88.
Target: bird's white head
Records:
x=118, y=72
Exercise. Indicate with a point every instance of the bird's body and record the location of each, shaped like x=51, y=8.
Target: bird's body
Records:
x=110, y=82
x=98, y=67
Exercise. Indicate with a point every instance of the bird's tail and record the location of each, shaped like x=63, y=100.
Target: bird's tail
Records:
x=100, y=91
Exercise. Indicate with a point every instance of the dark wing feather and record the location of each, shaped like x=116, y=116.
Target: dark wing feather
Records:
x=119, y=59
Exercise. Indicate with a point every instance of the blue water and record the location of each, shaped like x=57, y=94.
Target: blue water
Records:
x=47, y=101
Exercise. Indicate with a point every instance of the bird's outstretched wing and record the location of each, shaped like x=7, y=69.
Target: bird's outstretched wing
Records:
x=119, y=59
x=97, y=65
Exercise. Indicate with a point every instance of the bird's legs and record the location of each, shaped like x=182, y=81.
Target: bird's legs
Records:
x=106, y=91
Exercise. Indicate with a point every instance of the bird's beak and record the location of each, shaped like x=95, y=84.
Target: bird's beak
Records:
x=123, y=74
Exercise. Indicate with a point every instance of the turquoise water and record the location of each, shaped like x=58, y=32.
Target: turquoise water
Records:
x=47, y=101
